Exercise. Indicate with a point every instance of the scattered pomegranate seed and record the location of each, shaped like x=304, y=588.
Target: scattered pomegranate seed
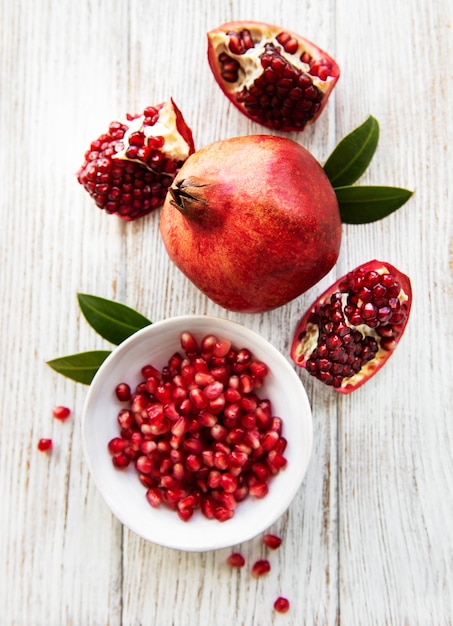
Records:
x=281, y=605
x=236, y=560
x=44, y=445
x=272, y=541
x=61, y=412
x=260, y=568
x=196, y=432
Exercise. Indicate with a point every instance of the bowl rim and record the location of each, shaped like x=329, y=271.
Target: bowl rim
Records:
x=186, y=320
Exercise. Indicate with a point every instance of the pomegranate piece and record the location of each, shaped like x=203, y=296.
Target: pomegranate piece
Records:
x=61, y=412
x=191, y=434
x=354, y=326
x=44, y=445
x=274, y=76
x=281, y=605
x=128, y=169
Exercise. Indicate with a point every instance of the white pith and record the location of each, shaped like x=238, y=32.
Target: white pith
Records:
x=175, y=146
x=250, y=65
x=308, y=344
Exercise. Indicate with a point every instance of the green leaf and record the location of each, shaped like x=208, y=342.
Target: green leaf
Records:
x=80, y=367
x=363, y=204
x=112, y=320
x=353, y=154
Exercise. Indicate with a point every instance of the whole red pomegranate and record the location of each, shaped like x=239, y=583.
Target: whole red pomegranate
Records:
x=252, y=221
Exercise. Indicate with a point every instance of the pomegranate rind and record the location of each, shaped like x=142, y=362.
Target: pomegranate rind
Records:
x=182, y=128
x=263, y=32
x=305, y=336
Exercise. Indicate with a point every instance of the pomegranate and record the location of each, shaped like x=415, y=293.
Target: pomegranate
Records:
x=354, y=326
x=271, y=74
x=252, y=221
x=197, y=433
x=44, y=445
x=128, y=169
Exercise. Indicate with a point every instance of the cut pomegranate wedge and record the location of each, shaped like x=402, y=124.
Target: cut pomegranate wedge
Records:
x=128, y=169
x=354, y=326
x=271, y=74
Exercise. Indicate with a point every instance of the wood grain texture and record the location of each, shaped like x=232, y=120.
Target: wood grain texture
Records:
x=368, y=539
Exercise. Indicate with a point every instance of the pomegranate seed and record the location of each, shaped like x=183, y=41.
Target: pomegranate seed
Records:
x=260, y=568
x=228, y=482
x=223, y=514
x=44, y=445
x=246, y=383
x=185, y=514
x=219, y=432
x=117, y=444
x=61, y=412
x=123, y=392
x=207, y=344
x=259, y=489
x=193, y=462
x=236, y=560
x=272, y=541
x=221, y=347
x=207, y=507
x=120, y=461
x=188, y=342
x=269, y=440
x=281, y=605
x=154, y=496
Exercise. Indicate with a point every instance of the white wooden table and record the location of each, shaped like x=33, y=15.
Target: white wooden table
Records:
x=369, y=538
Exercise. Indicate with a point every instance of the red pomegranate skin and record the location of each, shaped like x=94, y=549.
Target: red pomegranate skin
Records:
x=252, y=221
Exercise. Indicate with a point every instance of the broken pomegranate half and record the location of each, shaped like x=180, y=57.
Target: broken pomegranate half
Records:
x=271, y=74
x=128, y=169
x=354, y=326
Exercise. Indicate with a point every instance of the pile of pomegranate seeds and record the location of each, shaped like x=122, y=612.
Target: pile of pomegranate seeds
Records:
x=197, y=433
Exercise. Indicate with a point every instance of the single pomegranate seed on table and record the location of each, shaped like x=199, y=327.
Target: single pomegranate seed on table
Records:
x=44, y=445
x=194, y=450
x=236, y=560
x=281, y=605
x=61, y=412
x=260, y=568
x=272, y=541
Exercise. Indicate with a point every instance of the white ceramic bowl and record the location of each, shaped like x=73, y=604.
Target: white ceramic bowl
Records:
x=122, y=490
